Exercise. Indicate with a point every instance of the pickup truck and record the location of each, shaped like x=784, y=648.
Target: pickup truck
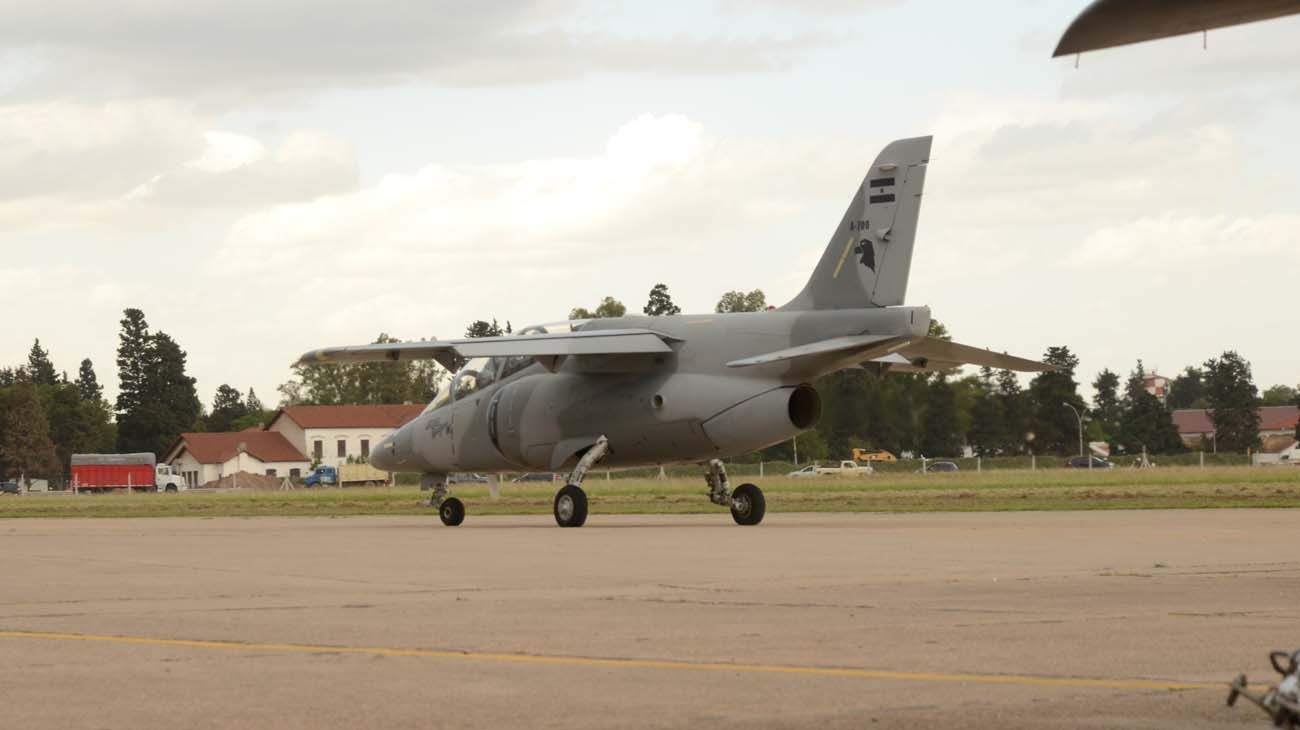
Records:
x=844, y=469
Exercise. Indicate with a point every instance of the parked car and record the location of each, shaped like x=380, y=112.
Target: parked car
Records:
x=467, y=478
x=807, y=471
x=941, y=467
x=1081, y=462
x=10, y=487
x=535, y=476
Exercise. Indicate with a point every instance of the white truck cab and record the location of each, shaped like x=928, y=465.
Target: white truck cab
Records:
x=167, y=479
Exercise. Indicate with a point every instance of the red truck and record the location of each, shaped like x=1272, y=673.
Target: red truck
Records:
x=133, y=472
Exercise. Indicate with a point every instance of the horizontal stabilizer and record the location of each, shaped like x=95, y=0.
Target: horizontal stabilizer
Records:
x=902, y=352
x=850, y=345
x=926, y=354
x=596, y=342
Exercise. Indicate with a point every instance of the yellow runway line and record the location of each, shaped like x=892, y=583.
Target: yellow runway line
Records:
x=1028, y=680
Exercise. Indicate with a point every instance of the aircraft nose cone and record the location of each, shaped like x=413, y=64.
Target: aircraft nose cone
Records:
x=387, y=456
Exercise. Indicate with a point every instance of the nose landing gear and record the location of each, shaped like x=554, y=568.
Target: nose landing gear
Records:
x=571, y=502
x=450, y=510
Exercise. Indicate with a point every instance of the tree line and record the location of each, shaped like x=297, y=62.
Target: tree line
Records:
x=45, y=416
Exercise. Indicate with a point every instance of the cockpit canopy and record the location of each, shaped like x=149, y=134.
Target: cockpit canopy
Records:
x=480, y=372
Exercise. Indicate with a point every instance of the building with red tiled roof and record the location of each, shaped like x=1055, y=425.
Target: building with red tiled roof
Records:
x=205, y=457
x=334, y=434
x=1195, y=425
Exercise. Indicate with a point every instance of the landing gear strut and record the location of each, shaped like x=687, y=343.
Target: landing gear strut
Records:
x=747, y=503
x=571, y=501
x=450, y=510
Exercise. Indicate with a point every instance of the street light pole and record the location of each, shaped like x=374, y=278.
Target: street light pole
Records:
x=1079, y=417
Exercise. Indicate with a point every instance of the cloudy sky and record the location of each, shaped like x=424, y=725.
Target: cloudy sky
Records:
x=264, y=178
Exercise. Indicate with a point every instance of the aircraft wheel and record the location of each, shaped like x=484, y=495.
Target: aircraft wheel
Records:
x=452, y=512
x=748, y=505
x=570, y=506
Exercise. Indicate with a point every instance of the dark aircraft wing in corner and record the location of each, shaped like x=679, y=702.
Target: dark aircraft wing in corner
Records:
x=1109, y=23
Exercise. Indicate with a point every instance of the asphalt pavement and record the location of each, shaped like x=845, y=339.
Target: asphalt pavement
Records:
x=1086, y=619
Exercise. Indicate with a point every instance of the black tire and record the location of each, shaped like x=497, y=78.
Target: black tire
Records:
x=570, y=506
x=748, y=505
x=172, y=488
x=452, y=512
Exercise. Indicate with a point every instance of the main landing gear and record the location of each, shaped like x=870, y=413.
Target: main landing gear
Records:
x=571, y=501
x=450, y=510
x=747, y=503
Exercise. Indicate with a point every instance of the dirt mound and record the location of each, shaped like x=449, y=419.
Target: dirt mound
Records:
x=245, y=480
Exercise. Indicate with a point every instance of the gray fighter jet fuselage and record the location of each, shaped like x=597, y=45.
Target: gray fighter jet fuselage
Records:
x=681, y=404
x=637, y=391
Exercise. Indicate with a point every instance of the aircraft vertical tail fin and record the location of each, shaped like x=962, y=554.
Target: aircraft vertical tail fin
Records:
x=867, y=261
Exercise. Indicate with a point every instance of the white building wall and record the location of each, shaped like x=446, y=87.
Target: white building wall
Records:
x=293, y=433
x=329, y=438
x=197, y=474
x=253, y=465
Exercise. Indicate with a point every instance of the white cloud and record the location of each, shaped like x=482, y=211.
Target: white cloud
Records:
x=226, y=53
x=235, y=169
x=65, y=164
x=1170, y=242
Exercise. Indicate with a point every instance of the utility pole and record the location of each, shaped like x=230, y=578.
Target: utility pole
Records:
x=1079, y=417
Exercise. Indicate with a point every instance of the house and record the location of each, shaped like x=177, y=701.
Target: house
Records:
x=205, y=457
x=334, y=434
x=1157, y=385
x=1275, y=423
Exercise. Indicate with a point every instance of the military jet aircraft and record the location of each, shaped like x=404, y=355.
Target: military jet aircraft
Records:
x=644, y=391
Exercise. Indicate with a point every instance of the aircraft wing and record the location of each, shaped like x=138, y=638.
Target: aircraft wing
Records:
x=594, y=342
x=903, y=353
x=1108, y=23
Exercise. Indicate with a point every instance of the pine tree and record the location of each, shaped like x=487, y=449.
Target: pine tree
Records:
x=1147, y=424
x=77, y=425
x=660, y=302
x=133, y=367
x=1232, y=395
x=253, y=402
x=39, y=367
x=88, y=386
x=156, y=400
x=1054, y=425
x=1187, y=390
x=988, y=420
x=1015, y=413
x=27, y=449
x=227, y=406
x=1136, y=384
x=940, y=431
x=179, y=407
x=1107, y=409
